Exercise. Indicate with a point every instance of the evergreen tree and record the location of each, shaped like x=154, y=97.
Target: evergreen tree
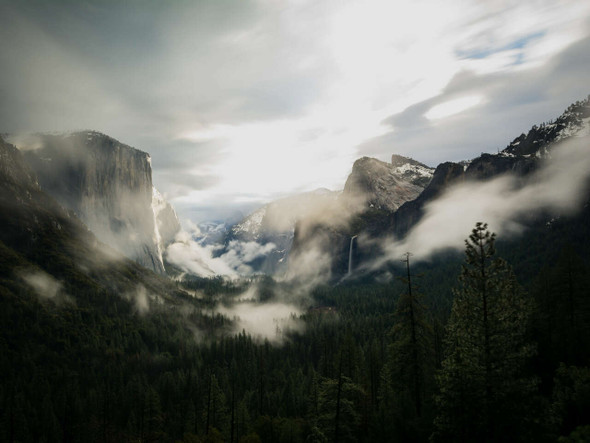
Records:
x=485, y=394
x=408, y=374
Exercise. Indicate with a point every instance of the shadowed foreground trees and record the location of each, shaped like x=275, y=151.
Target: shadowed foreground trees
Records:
x=360, y=370
x=408, y=375
x=485, y=392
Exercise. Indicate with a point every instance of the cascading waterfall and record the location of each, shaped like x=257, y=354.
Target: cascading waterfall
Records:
x=350, y=255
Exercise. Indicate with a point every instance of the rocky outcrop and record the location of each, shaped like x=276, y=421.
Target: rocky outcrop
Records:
x=380, y=185
x=573, y=122
x=108, y=185
x=13, y=170
x=31, y=222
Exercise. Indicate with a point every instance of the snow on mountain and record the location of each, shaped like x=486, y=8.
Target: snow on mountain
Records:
x=411, y=170
x=280, y=216
x=250, y=226
x=274, y=224
x=574, y=122
x=386, y=186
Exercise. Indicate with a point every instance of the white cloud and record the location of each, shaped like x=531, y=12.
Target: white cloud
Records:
x=208, y=260
x=452, y=107
x=46, y=287
x=264, y=321
x=190, y=256
x=283, y=92
x=140, y=299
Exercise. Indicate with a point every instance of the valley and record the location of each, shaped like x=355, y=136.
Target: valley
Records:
x=322, y=316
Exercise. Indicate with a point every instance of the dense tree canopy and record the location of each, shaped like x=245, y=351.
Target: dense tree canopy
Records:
x=362, y=369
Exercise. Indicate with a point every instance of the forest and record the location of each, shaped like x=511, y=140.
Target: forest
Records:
x=456, y=349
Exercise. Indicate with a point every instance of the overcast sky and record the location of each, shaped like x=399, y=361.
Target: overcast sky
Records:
x=240, y=102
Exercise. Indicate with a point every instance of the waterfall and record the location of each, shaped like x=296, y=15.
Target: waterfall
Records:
x=350, y=255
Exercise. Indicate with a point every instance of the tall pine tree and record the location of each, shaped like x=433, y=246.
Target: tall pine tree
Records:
x=485, y=394
x=409, y=371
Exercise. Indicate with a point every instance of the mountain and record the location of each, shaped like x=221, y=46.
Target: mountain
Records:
x=386, y=186
x=394, y=196
x=520, y=157
x=574, y=122
x=108, y=185
x=411, y=170
x=373, y=191
x=44, y=245
x=274, y=224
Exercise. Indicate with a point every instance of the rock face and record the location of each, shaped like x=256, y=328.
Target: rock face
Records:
x=38, y=236
x=373, y=192
x=386, y=186
x=108, y=185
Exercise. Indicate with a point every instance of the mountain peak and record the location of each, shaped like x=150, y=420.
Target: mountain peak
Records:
x=412, y=170
x=400, y=160
x=574, y=122
x=386, y=186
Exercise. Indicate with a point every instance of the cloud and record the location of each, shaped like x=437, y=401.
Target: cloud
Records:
x=240, y=253
x=190, y=256
x=199, y=61
x=46, y=287
x=311, y=265
x=558, y=187
x=207, y=260
x=289, y=92
x=267, y=309
x=270, y=321
x=140, y=300
x=512, y=101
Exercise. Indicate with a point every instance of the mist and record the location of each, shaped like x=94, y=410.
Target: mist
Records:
x=46, y=287
x=140, y=300
x=270, y=321
x=214, y=259
x=558, y=188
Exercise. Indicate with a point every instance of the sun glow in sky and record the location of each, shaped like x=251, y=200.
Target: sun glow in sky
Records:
x=241, y=102
x=452, y=107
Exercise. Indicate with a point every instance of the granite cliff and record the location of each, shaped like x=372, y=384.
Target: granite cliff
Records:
x=384, y=186
x=108, y=185
x=45, y=249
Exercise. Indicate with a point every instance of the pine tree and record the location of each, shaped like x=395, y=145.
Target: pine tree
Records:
x=408, y=374
x=485, y=394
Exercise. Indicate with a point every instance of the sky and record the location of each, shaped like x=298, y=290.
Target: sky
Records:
x=240, y=102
